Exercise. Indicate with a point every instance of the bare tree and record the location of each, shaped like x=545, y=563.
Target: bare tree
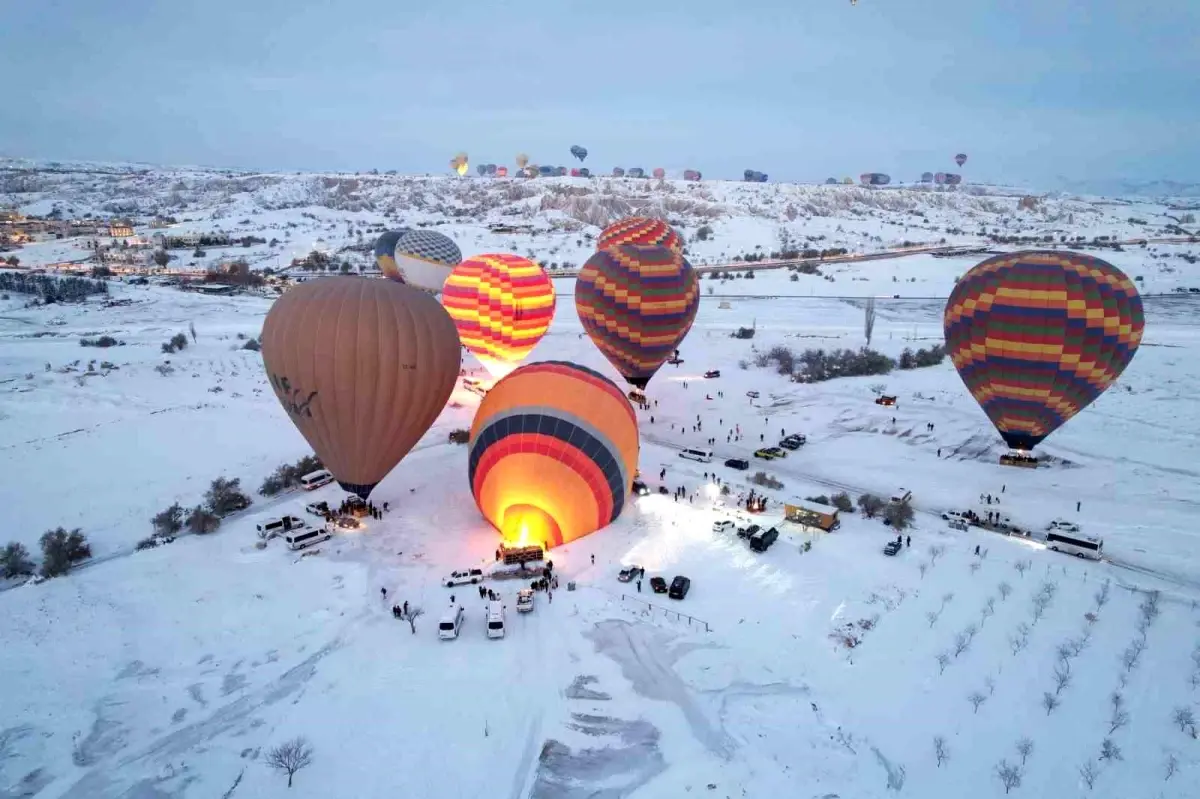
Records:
x=941, y=752
x=1133, y=654
x=932, y=617
x=1088, y=773
x=1022, y=566
x=987, y=612
x=1171, y=766
x=1009, y=774
x=943, y=660
x=1049, y=701
x=1110, y=751
x=976, y=699
x=990, y=685
x=869, y=319
x=1024, y=749
x=947, y=598
x=1040, y=603
x=1101, y=595
x=1005, y=591
x=1062, y=677
x=1119, y=716
x=962, y=642
x=974, y=567
x=411, y=615
x=1019, y=640
x=922, y=567
x=1065, y=653
x=290, y=756
x=1186, y=720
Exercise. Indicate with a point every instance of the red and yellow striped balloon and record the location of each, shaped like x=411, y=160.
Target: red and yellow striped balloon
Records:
x=552, y=454
x=642, y=231
x=502, y=305
x=1037, y=336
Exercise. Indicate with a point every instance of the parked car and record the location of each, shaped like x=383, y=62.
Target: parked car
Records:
x=722, y=526
x=630, y=573
x=463, y=577
x=658, y=585
x=747, y=532
x=892, y=548
x=525, y=600
x=269, y=528
x=752, y=394
x=711, y=373
x=794, y=441
x=451, y=623
x=679, y=587
x=902, y=495
x=762, y=540
x=317, y=508
x=640, y=488
x=954, y=516
x=766, y=453
x=741, y=464
x=885, y=400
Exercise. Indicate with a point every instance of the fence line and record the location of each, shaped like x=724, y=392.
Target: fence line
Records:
x=666, y=612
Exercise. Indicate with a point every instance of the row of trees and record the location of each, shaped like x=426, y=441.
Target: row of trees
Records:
x=61, y=549
x=223, y=497
x=288, y=475
x=818, y=365
x=52, y=289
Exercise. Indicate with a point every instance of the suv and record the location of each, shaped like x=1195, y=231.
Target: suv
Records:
x=679, y=587
x=748, y=532
x=741, y=464
x=892, y=548
x=463, y=577
x=762, y=540
x=658, y=585
x=640, y=488
x=794, y=441
x=630, y=573
x=711, y=373
x=722, y=526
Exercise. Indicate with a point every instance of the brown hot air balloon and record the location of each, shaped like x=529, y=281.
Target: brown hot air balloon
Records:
x=363, y=368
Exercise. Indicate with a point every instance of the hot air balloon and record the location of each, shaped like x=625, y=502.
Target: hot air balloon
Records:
x=585, y=173
x=939, y=178
x=618, y=172
x=552, y=454
x=385, y=250
x=522, y=160
x=926, y=177
x=578, y=152
x=635, y=172
x=501, y=171
x=831, y=181
x=659, y=172
x=491, y=170
x=847, y=182
x=481, y=169
x=1037, y=336
x=363, y=368
x=640, y=230
x=546, y=171
x=951, y=179
x=424, y=259
x=960, y=159
x=575, y=172
x=502, y=306
x=691, y=174
x=637, y=304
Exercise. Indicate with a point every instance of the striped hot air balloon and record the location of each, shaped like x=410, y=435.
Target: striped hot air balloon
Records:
x=552, y=453
x=641, y=230
x=637, y=304
x=502, y=305
x=1037, y=336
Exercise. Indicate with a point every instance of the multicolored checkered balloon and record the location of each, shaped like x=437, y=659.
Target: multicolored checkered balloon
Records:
x=640, y=230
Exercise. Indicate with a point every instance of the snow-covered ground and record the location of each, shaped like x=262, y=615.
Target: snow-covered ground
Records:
x=171, y=672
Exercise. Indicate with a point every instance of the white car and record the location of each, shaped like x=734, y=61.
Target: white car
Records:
x=525, y=600
x=954, y=516
x=723, y=526
x=464, y=577
x=901, y=495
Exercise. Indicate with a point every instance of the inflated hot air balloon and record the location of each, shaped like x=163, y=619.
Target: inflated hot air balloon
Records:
x=522, y=160
x=960, y=159
x=1037, y=336
x=585, y=173
x=424, y=259
x=691, y=174
x=640, y=230
x=659, y=172
x=501, y=171
x=831, y=181
x=363, y=368
x=502, y=305
x=552, y=454
x=847, y=182
x=481, y=169
x=927, y=177
x=637, y=304
x=618, y=172
x=939, y=178
x=578, y=152
x=385, y=250
x=952, y=179
x=462, y=168
x=635, y=172
x=491, y=170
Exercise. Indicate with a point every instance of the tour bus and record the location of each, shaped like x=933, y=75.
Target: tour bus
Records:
x=299, y=539
x=316, y=479
x=1077, y=544
x=702, y=455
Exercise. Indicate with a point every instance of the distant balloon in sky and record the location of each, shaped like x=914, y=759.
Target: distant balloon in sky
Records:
x=960, y=159
x=522, y=160
x=578, y=152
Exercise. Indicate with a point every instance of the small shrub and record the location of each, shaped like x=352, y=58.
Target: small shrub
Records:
x=252, y=345
x=225, y=496
x=899, y=515
x=201, y=521
x=103, y=341
x=842, y=502
x=62, y=549
x=870, y=505
x=15, y=561
x=169, y=521
x=766, y=480
x=744, y=332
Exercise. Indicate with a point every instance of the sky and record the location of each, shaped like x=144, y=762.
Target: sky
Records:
x=1034, y=91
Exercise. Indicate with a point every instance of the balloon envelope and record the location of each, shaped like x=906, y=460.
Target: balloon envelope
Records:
x=1037, y=336
x=578, y=152
x=637, y=304
x=385, y=250
x=641, y=230
x=659, y=172
x=501, y=171
x=363, y=368
x=424, y=259
x=502, y=305
x=552, y=453
x=522, y=160
x=960, y=159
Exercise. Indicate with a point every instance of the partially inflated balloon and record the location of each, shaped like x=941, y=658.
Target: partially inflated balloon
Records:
x=424, y=259
x=642, y=231
x=1037, y=336
x=502, y=305
x=363, y=368
x=637, y=304
x=385, y=250
x=552, y=454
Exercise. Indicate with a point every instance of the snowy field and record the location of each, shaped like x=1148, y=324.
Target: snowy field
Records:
x=171, y=672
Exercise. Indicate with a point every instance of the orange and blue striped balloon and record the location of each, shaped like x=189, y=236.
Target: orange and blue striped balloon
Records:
x=502, y=305
x=637, y=304
x=1037, y=336
x=642, y=231
x=552, y=454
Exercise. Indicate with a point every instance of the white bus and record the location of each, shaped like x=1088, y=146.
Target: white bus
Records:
x=299, y=539
x=316, y=479
x=702, y=455
x=1077, y=544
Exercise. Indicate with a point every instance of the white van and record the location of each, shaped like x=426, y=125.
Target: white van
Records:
x=269, y=528
x=451, y=623
x=316, y=479
x=495, y=619
x=702, y=455
x=299, y=539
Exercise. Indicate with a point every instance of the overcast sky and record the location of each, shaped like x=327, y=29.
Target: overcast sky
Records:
x=800, y=89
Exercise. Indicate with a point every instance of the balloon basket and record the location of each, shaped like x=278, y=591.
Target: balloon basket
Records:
x=1019, y=459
